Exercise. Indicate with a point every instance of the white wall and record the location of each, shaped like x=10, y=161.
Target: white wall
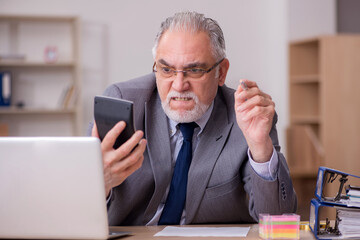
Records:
x=309, y=18
x=117, y=38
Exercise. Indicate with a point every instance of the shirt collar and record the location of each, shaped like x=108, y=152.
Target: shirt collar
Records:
x=201, y=122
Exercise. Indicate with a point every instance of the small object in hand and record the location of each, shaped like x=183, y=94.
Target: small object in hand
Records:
x=243, y=85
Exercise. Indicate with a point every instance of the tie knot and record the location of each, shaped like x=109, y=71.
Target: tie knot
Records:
x=187, y=130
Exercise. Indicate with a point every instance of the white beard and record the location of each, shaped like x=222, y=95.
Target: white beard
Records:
x=188, y=115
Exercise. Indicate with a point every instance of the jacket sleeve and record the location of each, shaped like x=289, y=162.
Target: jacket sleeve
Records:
x=270, y=196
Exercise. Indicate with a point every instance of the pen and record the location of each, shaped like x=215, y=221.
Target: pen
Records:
x=243, y=85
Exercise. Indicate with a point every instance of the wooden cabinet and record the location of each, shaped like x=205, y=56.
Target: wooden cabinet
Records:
x=42, y=55
x=324, y=93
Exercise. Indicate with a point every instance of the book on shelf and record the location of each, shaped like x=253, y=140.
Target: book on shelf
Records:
x=68, y=97
x=5, y=89
x=4, y=129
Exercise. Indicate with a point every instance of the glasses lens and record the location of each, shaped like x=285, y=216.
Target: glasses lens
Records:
x=195, y=72
x=166, y=72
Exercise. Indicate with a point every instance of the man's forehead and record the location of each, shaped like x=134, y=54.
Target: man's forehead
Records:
x=184, y=48
x=190, y=64
x=173, y=37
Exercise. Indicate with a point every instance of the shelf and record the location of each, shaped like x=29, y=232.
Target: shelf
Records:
x=305, y=152
x=314, y=40
x=305, y=119
x=37, y=84
x=22, y=18
x=18, y=111
x=304, y=58
x=323, y=110
x=300, y=173
x=35, y=64
x=304, y=100
x=309, y=78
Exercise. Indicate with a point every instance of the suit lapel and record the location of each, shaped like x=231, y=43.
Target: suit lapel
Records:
x=210, y=145
x=158, y=148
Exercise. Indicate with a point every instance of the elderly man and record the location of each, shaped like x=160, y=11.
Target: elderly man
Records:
x=211, y=153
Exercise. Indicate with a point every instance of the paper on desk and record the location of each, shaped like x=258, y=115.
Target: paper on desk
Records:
x=204, y=232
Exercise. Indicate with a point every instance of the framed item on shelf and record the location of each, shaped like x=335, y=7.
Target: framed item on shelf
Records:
x=51, y=54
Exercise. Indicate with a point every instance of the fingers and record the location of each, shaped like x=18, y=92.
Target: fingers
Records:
x=246, y=90
x=249, y=94
x=94, y=131
x=121, y=169
x=251, y=102
x=110, y=137
x=112, y=156
x=129, y=145
x=122, y=162
x=265, y=113
x=260, y=100
x=130, y=163
x=245, y=84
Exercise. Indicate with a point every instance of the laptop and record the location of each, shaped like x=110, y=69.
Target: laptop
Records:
x=53, y=188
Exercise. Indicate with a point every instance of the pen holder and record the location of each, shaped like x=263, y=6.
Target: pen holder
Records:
x=279, y=226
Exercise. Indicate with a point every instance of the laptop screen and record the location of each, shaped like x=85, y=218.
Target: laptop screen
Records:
x=52, y=187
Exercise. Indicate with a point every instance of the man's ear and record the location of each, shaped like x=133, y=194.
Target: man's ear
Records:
x=223, y=69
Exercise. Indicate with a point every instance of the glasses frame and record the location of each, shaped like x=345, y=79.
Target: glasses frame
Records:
x=174, y=71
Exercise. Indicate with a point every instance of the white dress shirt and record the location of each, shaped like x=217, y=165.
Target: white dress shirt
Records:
x=266, y=170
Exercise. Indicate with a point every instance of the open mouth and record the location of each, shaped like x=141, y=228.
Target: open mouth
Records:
x=181, y=98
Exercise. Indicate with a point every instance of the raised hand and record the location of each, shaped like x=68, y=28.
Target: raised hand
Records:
x=122, y=162
x=254, y=114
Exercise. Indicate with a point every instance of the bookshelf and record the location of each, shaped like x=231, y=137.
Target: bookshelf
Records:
x=324, y=86
x=41, y=103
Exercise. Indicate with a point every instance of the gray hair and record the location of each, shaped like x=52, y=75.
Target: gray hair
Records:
x=194, y=22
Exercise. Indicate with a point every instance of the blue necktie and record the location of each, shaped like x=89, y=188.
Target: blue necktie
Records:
x=175, y=202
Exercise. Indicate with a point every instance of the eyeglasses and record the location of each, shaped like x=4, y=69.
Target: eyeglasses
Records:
x=168, y=72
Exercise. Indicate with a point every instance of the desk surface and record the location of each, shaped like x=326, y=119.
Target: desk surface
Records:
x=144, y=232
